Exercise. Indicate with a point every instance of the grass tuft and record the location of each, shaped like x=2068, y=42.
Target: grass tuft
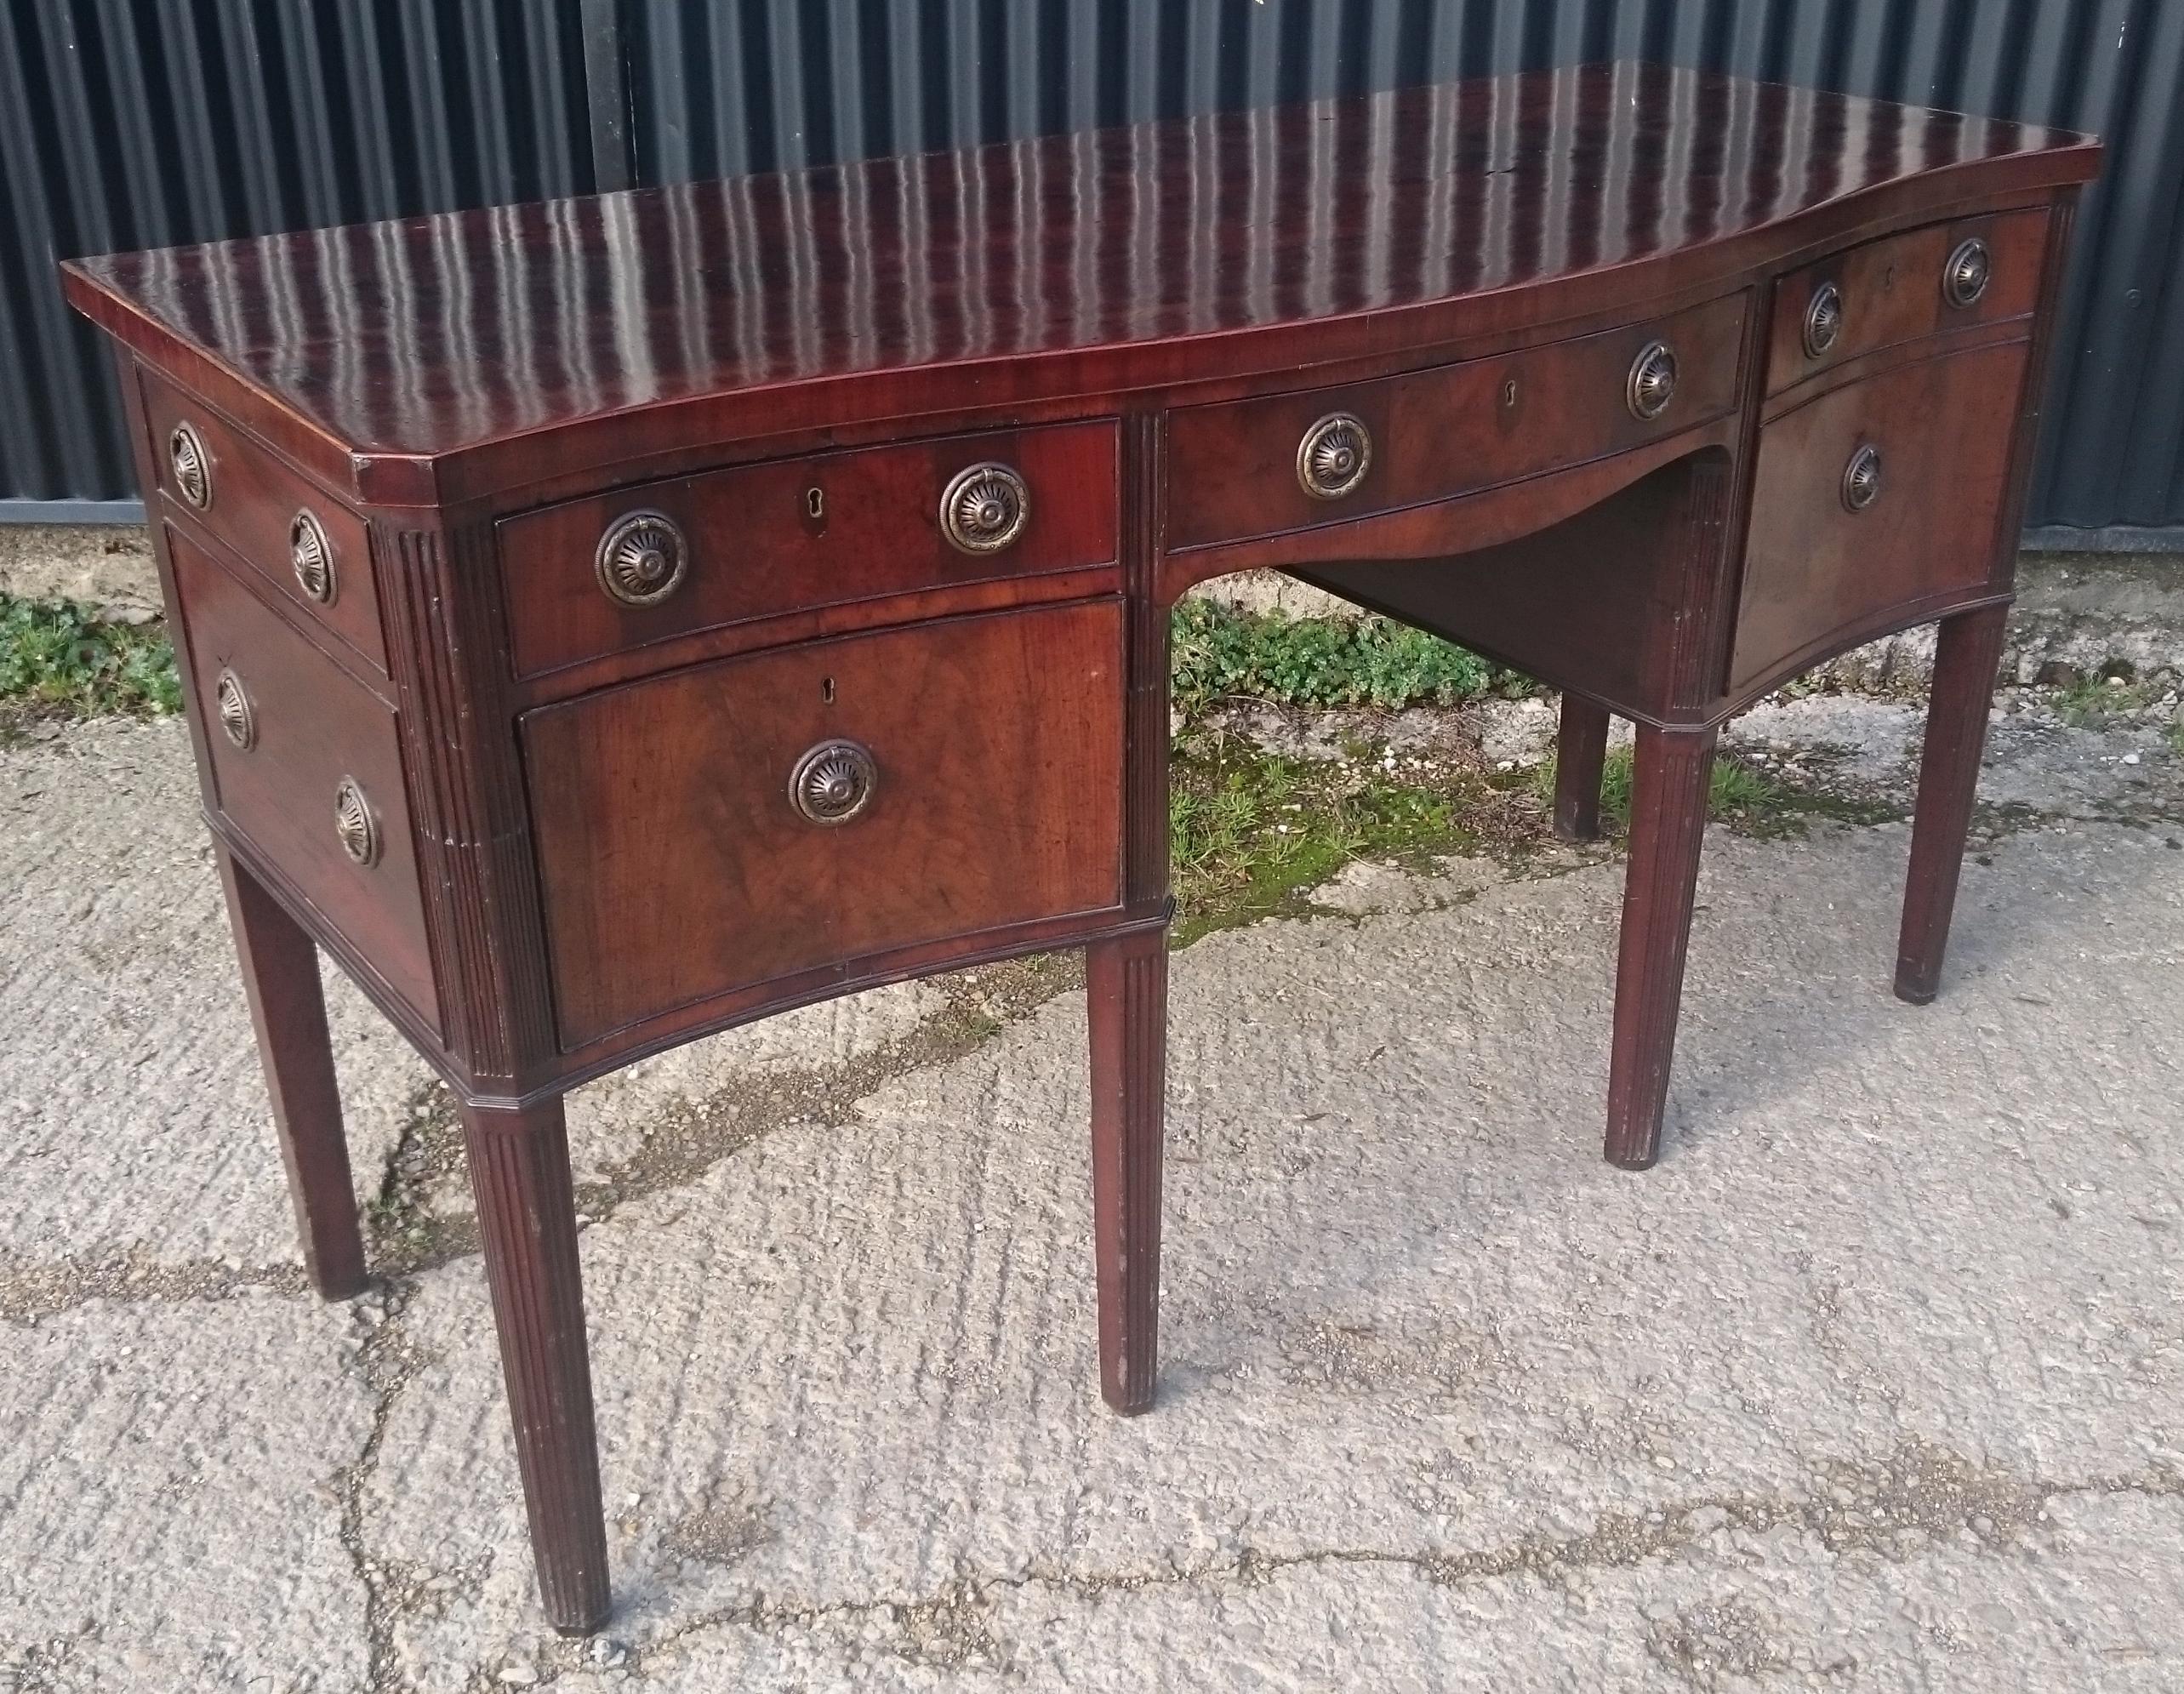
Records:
x=59, y=657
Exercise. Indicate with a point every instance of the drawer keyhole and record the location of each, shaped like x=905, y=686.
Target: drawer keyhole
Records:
x=826, y=690
x=815, y=503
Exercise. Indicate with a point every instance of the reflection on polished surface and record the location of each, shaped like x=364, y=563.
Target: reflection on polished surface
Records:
x=434, y=332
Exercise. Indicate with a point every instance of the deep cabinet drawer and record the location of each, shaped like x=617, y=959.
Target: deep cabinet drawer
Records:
x=306, y=763
x=1886, y=293
x=313, y=552
x=1250, y=468
x=615, y=572
x=1865, y=510
x=747, y=820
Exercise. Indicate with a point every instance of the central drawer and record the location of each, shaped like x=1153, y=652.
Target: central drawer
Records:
x=1249, y=468
x=802, y=810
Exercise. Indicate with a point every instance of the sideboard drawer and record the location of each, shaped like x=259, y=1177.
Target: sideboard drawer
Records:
x=1902, y=287
x=313, y=552
x=1259, y=467
x=1866, y=503
x=743, y=821
x=615, y=572
x=306, y=763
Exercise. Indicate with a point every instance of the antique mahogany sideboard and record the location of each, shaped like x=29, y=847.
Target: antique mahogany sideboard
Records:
x=610, y=620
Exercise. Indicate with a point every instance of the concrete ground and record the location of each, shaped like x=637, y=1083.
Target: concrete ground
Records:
x=1876, y=1382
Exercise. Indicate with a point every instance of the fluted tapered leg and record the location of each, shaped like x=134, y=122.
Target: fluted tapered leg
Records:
x=280, y=975
x=1965, y=654
x=1580, y=750
x=1667, y=826
x=1127, y=990
x=527, y=1221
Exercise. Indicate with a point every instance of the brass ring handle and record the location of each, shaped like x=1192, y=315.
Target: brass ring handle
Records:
x=834, y=782
x=238, y=718
x=1333, y=456
x=1652, y=381
x=311, y=556
x=1823, y=320
x=642, y=558
x=192, y=464
x=1862, y=478
x=1964, y=278
x=984, y=508
x=355, y=823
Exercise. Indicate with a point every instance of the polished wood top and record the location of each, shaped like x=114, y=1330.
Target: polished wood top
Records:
x=1165, y=251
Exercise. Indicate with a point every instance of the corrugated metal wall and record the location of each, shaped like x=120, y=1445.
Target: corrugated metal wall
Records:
x=133, y=122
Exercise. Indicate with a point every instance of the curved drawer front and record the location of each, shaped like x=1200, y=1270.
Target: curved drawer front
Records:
x=1872, y=497
x=615, y=572
x=1241, y=469
x=313, y=552
x=1902, y=287
x=744, y=821
x=306, y=763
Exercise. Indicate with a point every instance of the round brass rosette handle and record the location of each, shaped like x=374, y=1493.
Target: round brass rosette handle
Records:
x=984, y=508
x=313, y=556
x=641, y=559
x=833, y=782
x=1333, y=456
x=1862, y=478
x=1964, y=278
x=238, y=719
x=192, y=464
x=1652, y=382
x=355, y=824
x=1823, y=320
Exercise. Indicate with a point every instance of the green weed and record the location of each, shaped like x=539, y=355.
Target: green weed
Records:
x=58, y=657
x=1221, y=653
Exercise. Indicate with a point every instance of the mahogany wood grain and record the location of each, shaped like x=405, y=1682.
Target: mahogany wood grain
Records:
x=315, y=726
x=1890, y=291
x=677, y=868
x=527, y=1225
x=1123, y=260
x=287, y=1008
x=1125, y=997
x=254, y=499
x=1581, y=750
x=1966, y=653
x=1440, y=433
x=1812, y=565
x=756, y=548
x=1670, y=777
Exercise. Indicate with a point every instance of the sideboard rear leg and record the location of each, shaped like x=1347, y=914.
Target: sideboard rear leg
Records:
x=280, y=975
x=1126, y=992
x=1668, y=826
x=527, y=1221
x=1581, y=749
x=1966, y=652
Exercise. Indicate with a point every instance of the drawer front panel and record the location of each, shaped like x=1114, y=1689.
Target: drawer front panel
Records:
x=1234, y=471
x=677, y=865
x=791, y=534
x=286, y=728
x=1896, y=290
x=259, y=508
x=1871, y=497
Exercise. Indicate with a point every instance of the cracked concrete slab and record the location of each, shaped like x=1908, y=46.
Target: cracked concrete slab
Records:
x=1873, y=1383
x=846, y=1378
x=170, y=1497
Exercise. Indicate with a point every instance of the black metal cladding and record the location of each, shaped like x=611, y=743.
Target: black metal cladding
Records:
x=124, y=122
